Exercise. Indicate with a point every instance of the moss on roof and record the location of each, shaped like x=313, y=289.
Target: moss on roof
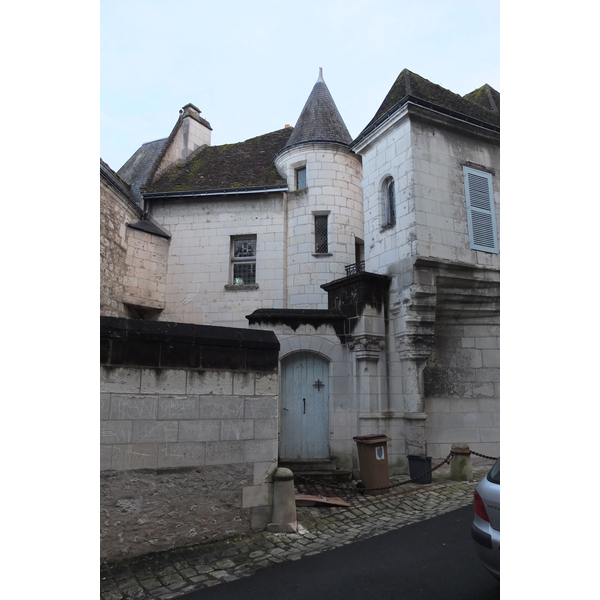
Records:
x=245, y=164
x=320, y=120
x=410, y=85
x=485, y=96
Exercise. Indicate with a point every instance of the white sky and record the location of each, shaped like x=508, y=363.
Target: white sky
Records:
x=250, y=66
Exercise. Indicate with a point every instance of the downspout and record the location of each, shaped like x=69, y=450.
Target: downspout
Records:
x=285, y=197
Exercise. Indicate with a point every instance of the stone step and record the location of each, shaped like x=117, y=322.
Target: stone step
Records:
x=337, y=476
x=300, y=466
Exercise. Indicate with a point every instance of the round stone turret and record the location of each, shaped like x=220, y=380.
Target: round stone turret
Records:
x=324, y=202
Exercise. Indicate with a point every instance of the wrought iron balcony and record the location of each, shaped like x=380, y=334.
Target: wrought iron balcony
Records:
x=355, y=268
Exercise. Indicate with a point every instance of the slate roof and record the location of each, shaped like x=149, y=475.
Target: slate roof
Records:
x=320, y=120
x=145, y=223
x=245, y=164
x=118, y=183
x=137, y=169
x=412, y=87
x=486, y=96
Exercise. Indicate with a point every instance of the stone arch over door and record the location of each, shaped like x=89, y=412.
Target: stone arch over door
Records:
x=304, y=407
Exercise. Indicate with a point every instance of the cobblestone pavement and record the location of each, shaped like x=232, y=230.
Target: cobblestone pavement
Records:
x=171, y=574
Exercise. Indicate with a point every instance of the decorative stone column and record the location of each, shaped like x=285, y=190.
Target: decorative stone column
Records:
x=413, y=313
x=367, y=349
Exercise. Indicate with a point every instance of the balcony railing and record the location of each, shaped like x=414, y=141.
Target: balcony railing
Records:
x=355, y=268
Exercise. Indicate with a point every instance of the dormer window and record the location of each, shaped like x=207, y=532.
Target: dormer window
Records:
x=301, y=178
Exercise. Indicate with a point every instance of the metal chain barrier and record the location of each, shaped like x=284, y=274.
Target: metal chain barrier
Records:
x=361, y=489
x=483, y=455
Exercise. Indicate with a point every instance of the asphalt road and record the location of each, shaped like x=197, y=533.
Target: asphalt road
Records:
x=430, y=560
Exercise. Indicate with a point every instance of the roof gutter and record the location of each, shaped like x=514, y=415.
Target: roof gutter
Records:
x=269, y=189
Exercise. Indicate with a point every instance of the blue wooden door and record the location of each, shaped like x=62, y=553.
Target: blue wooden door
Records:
x=304, y=407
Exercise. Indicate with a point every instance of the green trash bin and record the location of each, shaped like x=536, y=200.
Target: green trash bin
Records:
x=373, y=462
x=418, y=466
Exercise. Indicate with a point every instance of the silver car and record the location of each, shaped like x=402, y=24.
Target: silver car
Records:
x=485, y=529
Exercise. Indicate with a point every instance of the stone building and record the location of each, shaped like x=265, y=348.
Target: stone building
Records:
x=375, y=261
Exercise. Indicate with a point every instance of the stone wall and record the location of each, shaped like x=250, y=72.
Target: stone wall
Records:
x=133, y=262
x=144, y=280
x=462, y=387
x=386, y=245
x=188, y=433
x=333, y=189
x=115, y=212
x=439, y=191
x=199, y=277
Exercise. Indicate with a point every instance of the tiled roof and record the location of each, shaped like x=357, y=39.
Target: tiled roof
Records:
x=245, y=164
x=137, y=169
x=320, y=120
x=412, y=87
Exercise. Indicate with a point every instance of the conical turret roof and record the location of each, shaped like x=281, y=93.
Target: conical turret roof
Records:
x=320, y=120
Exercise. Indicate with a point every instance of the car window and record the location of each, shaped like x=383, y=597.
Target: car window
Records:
x=494, y=474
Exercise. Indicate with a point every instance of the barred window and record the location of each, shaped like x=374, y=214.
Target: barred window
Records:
x=321, y=234
x=243, y=260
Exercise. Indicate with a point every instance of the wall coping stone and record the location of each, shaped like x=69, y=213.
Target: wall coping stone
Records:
x=166, y=344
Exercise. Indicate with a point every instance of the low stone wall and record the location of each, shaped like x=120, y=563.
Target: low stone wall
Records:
x=188, y=433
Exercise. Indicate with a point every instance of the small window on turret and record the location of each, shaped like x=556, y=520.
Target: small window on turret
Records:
x=301, y=178
x=321, y=235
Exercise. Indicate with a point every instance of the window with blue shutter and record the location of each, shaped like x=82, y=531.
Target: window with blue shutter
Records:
x=481, y=216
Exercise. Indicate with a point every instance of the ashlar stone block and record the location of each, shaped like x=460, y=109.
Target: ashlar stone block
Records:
x=219, y=383
x=188, y=454
x=163, y=381
x=178, y=407
x=257, y=495
x=129, y=406
x=237, y=429
x=154, y=431
x=223, y=453
x=115, y=432
x=120, y=380
x=199, y=431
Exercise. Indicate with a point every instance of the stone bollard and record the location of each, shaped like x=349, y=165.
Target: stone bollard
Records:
x=460, y=465
x=284, y=503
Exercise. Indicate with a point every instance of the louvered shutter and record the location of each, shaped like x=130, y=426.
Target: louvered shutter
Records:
x=481, y=216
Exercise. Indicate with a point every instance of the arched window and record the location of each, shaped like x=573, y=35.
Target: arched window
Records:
x=389, y=200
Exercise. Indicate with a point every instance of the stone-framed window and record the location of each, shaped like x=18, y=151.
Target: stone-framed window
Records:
x=388, y=191
x=243, y=260
x=481, y=214
x=301, y=178
x=321, y=233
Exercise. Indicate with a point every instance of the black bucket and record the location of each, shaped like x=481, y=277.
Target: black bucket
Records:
x=417, y=465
